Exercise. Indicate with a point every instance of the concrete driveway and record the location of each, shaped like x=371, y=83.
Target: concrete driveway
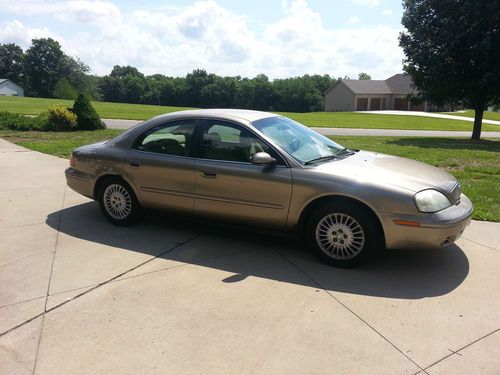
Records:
x=171, y=295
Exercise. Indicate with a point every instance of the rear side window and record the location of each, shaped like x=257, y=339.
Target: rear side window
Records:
x=169, y=139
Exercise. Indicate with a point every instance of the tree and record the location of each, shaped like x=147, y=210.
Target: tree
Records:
x=172, y=91
x=134, y=89
x=65, y=90
x=86, y=116
x=245, y=92
x=220, y=93
x=364, y=76
x=75, y=71
x=44, y=62
x=123, y=71
x=45, y=70
x=452, y=52
x=125, y=84
x=263, y=92
x=112, y=89
x=91, y=86
x=195, y=81
x=12, y=62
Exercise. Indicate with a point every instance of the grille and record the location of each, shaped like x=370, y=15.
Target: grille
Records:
x=455, y=193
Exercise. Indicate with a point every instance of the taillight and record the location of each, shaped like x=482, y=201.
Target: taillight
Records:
x=72, y=161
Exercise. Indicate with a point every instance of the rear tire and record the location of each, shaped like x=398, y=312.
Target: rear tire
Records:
x=118, y=202
x=341, y=234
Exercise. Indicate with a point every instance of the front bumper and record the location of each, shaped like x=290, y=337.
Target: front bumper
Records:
x=80, y=182
x=435, y=230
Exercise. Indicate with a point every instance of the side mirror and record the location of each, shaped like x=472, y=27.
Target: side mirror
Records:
x=263, y=158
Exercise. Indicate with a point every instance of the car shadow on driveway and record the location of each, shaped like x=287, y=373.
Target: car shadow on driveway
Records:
x=403, y=274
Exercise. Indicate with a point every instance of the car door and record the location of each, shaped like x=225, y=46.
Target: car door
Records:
x=161, y=164
x=229, y=186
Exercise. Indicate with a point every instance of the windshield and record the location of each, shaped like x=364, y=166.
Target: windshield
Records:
x=302, y=143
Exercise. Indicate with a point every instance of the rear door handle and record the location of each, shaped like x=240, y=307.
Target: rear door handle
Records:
x=134, y=163
x=209, y=174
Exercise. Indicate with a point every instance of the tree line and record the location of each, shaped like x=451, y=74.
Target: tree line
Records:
x=44, y=70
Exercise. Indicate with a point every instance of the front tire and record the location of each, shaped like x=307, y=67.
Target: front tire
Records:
x=341, y=234
x=118, y=202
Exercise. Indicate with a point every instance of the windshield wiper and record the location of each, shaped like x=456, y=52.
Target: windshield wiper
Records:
x=345, y=151
x=321, y=158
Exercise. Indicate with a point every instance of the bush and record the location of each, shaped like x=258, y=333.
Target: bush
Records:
x=59, y=119
x=86, y=116
x=12, y=121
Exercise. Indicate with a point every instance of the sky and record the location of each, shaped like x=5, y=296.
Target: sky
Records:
x=279, y=38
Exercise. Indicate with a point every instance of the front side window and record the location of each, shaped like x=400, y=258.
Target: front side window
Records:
x=169, y=139
x=230, y=142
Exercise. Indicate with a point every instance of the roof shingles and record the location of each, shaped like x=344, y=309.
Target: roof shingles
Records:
x=367, y=86
x=397, y=84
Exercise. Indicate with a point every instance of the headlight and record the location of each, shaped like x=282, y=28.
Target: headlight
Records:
x=431, y=201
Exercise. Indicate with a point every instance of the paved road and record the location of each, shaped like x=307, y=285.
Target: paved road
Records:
x=120, y=124
x=173, y=296
x=430, y=114
x=126, y=124
x=403, y=133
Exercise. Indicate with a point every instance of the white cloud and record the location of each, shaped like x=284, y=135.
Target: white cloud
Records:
x=353, y=20
x=367, y=3
x=300, y=24
x=85, y=11
x=89, y=11
x=386, y=12
x=176, y=40
x=202, y=35
x=372, y=50
x=29, y=7
x=16, y=32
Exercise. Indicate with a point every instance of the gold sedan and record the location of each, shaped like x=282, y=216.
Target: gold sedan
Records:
x=269, y=171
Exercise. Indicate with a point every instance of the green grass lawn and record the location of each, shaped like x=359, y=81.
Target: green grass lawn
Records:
x=488, y=115
x=475, y=164
x=57, y=143
x=33, y=106
x=376, y=121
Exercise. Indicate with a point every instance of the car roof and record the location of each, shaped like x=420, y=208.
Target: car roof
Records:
x=242, y=116
x=225, y=113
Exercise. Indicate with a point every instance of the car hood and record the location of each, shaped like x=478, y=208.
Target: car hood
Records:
x=390, y=170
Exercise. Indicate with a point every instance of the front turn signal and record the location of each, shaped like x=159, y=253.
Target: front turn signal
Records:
x=407, y=223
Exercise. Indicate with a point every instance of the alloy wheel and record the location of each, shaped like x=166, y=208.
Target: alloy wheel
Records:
x=340, y=236
x=117, y=201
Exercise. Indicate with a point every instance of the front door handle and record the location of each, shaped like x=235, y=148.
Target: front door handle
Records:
x=209, y=174
x=134, y=163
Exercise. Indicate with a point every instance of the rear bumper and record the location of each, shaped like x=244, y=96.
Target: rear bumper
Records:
x=435, y=230
x=81, y=182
